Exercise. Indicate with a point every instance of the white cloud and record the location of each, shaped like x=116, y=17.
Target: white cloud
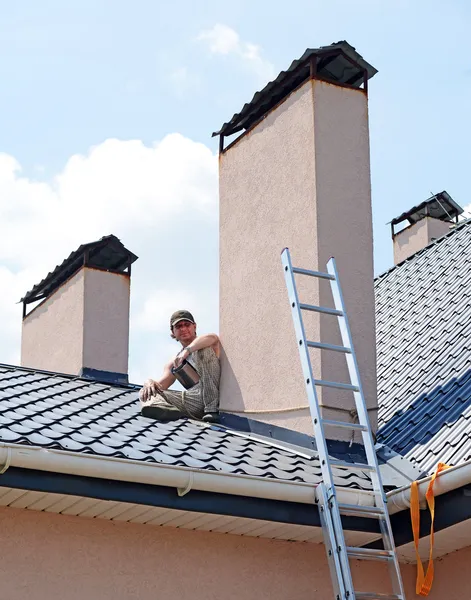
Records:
x=223, y=40
x=160, y=200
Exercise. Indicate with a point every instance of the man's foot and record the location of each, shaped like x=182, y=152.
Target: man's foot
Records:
x=211, y=417
x=162, y=413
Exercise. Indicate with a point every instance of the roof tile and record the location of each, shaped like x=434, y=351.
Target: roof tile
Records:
x=423, y=324
x=78, y=415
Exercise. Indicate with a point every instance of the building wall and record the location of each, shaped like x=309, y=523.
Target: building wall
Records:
x=451, y=581
x=48, y=556
x=300, y=178
x=52, y=334
x=106, y=321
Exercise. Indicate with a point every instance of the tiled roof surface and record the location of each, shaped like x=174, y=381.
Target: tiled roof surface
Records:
x=79, y=415
x=423, y=320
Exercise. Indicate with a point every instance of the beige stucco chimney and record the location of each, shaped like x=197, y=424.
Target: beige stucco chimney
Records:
x=297, y=177
x=81, y=324
x=422, y=224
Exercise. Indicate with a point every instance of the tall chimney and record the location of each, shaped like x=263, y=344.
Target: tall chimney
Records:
x=81, y=325
x=299, y=177
x=419, y=226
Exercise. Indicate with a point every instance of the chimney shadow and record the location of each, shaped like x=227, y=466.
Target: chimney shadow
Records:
x=230, y=392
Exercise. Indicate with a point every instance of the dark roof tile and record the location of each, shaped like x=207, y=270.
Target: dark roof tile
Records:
x=423, y=324
x=73, y=414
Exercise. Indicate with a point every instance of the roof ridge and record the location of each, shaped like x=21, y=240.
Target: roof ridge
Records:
x=425, y=248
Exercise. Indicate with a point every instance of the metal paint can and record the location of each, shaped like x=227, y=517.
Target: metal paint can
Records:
x=186, y=374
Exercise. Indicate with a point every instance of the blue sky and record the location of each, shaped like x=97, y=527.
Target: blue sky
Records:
x=106, y=114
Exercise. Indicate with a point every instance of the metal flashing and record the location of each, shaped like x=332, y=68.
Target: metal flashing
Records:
x=108, y=253
x=338, y=63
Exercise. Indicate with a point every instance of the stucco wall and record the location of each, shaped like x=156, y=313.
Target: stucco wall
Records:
x=345, y=231
x=300, y=178
x=52, y=334
x=415, y=237
x=451, y=582
x=48, y=556
x=437, y=228
x=106, y=321
x=267, y=191
x=84, y=323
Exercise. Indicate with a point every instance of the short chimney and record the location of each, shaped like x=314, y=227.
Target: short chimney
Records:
x=81, y=324
x=422, y=224
x=299, y=177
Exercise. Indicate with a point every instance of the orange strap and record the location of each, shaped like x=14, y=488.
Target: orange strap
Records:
x=424, y=582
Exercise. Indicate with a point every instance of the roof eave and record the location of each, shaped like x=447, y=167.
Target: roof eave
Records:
x=181, y=488
x=183, y=479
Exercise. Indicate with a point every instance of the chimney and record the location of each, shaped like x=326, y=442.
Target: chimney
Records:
x=418, y=227
x=81, y=325
x=299, y=177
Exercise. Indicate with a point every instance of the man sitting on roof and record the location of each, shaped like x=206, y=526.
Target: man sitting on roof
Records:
x=201, y=401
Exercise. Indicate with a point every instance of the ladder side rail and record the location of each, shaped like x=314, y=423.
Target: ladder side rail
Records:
x=385, y=523
x=338, y=562
x=352, y=365
x=307, y=369
x=344, y=575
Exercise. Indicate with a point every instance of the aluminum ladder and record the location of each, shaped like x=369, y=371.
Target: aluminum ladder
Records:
x=330, y=510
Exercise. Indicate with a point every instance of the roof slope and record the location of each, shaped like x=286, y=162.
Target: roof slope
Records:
x=79, y=415
x=423, y=320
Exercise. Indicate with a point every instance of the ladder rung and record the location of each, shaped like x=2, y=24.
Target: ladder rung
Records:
x=369, y=554
x=345, y=425
x=322, y=309
x=341, y=464
x=339, y=386
x=373, y=596
x=361, y=511
x=313, y=273
x=322, y=346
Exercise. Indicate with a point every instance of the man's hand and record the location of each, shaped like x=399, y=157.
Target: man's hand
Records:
x=181, y=356
x=149, y=389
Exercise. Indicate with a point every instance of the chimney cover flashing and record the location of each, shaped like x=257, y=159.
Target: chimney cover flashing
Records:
x=108, y=253
x=440, y=206
x=104, y=376
x=339, y=63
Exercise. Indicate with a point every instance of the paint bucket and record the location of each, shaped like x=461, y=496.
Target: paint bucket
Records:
x=186, y=374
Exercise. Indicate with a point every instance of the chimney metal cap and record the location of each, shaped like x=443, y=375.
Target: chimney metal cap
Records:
x=440, y=206
x=108, y=253
x=338, y=63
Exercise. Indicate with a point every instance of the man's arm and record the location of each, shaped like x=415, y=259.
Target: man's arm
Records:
x=208, y=340
x=205, y=341
x=152, y=386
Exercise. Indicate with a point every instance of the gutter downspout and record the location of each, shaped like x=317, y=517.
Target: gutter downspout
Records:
x=446, y=481
x=181, y=478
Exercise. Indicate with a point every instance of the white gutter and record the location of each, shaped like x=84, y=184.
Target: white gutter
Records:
x=185, y=479
x=448, y=480
x=182, y=478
